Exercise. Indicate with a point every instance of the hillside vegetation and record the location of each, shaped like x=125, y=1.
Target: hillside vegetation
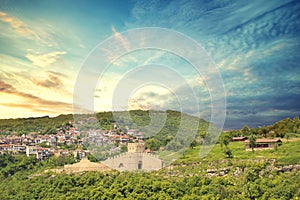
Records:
x=285, y=128
x=160, y=133
x=266, y=174
x=245, y=176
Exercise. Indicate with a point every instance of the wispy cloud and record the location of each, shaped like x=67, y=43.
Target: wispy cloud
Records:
x=253, y=45
x=45, y=60
x=120, y=38
x=22, y=28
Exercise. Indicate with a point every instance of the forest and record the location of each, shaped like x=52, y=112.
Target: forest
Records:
x=284, y=128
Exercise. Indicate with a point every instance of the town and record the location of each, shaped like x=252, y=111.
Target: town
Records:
x=69, y=140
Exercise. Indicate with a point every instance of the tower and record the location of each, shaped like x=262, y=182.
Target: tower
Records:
x=136, y=147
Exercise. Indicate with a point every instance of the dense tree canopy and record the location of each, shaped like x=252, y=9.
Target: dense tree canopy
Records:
x=288, y=126
x=26, y=179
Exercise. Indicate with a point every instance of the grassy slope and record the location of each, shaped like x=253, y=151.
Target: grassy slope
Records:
x=288, y=153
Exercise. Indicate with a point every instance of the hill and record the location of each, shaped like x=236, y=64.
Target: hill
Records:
x=162, y=129
x=246, y=176
x=40, y=125
x=266, y=174
x=285, y=128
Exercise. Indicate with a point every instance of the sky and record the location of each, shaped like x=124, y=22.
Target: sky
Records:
x=254, y=46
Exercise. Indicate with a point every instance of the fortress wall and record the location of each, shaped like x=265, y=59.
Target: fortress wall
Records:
x=131, y=161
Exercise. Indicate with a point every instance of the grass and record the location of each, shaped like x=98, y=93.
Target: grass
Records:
x=169, y=156
x=288, y=153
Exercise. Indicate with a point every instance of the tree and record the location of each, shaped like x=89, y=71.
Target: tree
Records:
x=194, y=144
x=252, y=140
x=124, y=148
x=287, y=136
x=226, y=140
x=228, y=153
x=263, y=131
x=245, y=130
x=153, y=144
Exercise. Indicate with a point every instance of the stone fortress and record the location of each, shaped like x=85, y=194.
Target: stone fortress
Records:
x=136, y=159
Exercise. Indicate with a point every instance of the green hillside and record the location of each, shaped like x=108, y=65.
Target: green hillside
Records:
x=41, y=125
x=286, y=154
x=265, y=174
x=285, y=128
x=159, y=133
x=245, y=176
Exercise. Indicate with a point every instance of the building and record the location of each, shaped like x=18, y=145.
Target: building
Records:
x=135, y=159
x=6, y=147
x=85, y=165
x=19, y=148
x=136, y=147
x=40, y=152
x=31, y=150
x=238, y=139
x=263, y=144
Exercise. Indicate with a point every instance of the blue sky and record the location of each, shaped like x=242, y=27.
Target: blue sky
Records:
x=254, y=45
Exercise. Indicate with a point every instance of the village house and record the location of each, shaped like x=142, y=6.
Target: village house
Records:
x=15, y=148
x=40, y=152
x=6, y=147
x=263, y=144
x=18, y=148
x=238, y=139
x=60, y=152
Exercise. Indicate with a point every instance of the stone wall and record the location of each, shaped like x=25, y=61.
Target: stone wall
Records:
x=134, y=162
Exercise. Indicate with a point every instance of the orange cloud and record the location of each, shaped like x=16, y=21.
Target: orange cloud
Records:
x=33, y=101
x=53, y=80
x=34, y=108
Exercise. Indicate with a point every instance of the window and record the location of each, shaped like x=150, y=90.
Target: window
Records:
x=121, y=165
x=140, y=165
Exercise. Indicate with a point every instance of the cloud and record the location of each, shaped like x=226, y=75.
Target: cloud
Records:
x=4, y=87
x=53, y=80
x=32, y=99
x=33, y=108
x=120, y=38
x=44, y=60
x=21, y=27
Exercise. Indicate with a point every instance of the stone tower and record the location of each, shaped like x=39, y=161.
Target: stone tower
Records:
x=136, y=147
